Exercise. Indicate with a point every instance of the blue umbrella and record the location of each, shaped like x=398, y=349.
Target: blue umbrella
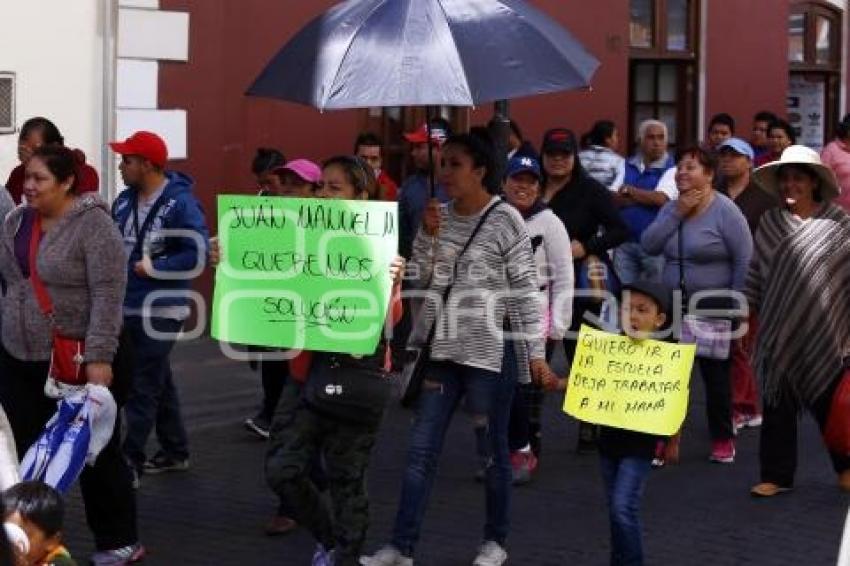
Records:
x=370, y=53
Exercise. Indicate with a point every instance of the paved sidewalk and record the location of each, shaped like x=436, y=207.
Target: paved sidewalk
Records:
x=695, y=513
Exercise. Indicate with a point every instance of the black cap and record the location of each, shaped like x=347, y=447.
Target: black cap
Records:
x=559, y=139
x=655, y=291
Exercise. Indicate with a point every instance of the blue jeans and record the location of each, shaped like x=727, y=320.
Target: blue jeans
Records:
x=153, y=400
x=632, y=263
x=445, y=384
x=499, y=479
x=625, y=479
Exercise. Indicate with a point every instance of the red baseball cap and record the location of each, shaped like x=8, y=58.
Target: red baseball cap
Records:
x=420, y=135
x=144, y=144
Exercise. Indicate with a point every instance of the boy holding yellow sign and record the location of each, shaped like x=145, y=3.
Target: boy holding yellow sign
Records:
x=636, y=389
x=626, y=456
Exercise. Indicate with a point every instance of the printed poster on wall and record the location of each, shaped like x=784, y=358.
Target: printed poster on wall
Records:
x=807, y=108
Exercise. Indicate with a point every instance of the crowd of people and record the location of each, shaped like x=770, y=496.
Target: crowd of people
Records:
x=754, y=232
x=80, y=290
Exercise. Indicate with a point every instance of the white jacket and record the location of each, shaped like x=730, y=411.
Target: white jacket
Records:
x=555, y=275
x=9, y=472
x=605, y=165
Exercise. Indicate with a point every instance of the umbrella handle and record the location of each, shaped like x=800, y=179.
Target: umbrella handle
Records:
x=432, y=190
x=431, y=179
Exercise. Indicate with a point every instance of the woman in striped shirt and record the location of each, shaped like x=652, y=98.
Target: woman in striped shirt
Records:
x=492, y=282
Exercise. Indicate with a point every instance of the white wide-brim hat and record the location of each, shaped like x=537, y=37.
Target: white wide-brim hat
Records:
x=767, y=176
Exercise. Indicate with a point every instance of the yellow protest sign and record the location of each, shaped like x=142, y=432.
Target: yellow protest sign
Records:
x=634, y=385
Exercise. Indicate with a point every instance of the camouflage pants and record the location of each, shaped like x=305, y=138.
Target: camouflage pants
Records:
x=298, y=436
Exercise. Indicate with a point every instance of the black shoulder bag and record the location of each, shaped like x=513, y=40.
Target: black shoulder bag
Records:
x=347, y=388
x=417, y=356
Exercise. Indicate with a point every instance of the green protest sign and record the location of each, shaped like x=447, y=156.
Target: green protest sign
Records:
x=310, y=274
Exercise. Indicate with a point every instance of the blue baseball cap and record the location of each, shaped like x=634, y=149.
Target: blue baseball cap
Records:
x=739, y=146
x=523, y=164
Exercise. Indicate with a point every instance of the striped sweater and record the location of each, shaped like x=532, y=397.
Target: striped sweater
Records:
x=799, y=285
x=496, y=277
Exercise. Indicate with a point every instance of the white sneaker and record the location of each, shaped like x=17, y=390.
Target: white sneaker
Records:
x=387, y=556
x=490, y=553
x=746, y=421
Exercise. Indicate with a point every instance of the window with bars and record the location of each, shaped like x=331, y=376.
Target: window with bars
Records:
x=7, y=103
x=663, y=63
x=815, y=63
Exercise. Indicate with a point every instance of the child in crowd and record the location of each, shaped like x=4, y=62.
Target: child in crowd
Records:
x=626, y=456
x=38, y=510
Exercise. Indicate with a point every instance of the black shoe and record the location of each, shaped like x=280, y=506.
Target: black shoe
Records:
x=135, y=477
x=480, y=475
x=161, y=463
x=535, y=439
x=585, y=447
x=588, y=436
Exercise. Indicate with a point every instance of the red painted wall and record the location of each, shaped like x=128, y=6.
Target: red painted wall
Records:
x=746, y=60
x=603, y=27
x=230, y=42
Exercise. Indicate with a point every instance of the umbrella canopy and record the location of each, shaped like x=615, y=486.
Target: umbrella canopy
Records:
x=369, y=53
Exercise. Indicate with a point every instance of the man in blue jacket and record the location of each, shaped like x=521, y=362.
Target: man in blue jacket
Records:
x=639, y=200
x=166, y=240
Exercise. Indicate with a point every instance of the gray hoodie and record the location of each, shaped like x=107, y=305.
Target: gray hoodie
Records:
x=6, y=202
x=82, y=263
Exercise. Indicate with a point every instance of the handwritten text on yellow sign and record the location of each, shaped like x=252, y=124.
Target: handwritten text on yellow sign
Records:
x=624, y=383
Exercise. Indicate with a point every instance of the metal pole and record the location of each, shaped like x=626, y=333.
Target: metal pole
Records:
x=109, y=92
x=501, y=136
x=431, y=174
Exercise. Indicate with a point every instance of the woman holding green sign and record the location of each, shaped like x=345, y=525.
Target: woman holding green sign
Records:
x=296, y=178
x=301, y=436
x=312, y=424
x=477, y=247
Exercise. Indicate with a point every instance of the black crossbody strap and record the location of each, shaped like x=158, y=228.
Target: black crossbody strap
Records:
x=682, y=267
x=142, y=230
x=465, y=247
x=462, y=251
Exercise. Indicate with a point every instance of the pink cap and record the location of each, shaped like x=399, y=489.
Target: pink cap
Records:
x=304, y=168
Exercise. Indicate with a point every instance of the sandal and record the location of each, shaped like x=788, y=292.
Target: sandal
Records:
x=844, y=480
x=280, y=525
x=768, y=489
